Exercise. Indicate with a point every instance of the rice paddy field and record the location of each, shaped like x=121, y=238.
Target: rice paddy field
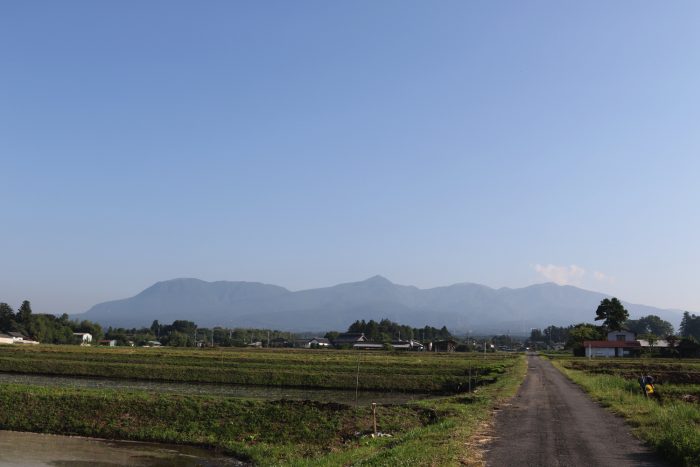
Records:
x=671, y=425
x=453, y=396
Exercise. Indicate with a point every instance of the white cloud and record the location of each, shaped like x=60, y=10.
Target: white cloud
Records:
x=562, y=275
x=602, y=277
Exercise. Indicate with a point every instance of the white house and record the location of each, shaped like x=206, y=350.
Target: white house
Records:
x=84, y=338
x=6, y=339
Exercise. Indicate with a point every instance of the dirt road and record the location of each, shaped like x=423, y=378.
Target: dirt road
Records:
x=552, y=422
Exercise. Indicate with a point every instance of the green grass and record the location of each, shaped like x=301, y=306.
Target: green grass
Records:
x=672, y=428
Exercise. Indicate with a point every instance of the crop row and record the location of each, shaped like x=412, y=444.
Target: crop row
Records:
x=205, y=420
x=406, y=373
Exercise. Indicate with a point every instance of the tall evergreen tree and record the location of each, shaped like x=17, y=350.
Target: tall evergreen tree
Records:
x=24, y=313
x=612, y=313
x=7, y=316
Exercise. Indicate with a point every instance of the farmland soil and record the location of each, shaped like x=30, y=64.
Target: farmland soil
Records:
x=552, y=422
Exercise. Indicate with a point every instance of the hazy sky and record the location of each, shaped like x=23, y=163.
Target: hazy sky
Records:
x=310, y=143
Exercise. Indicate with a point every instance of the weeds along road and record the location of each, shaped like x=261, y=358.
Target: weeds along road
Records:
x=552, y=422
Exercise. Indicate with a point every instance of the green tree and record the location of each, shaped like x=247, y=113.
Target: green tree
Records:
x=7, y=317
x=155, y=328
x=24, y=313
x=690, y=326
x=612, y=313
x=179, y=339
x=583, y=332
x=651, y=324
x=88, y=326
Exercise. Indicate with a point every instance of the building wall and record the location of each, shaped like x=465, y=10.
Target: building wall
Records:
x=629, y=336
x=600, y=352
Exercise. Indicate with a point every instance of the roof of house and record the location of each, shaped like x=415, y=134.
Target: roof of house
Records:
x=16, y=334
x=610, y=344
x=320, y=340
x=349, y=337
x=6, y=336
x=368, y=345
x=656, y=343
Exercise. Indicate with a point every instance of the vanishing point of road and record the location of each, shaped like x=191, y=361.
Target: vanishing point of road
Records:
x=552, y=422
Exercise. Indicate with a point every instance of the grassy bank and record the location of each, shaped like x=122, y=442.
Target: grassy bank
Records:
x=429, y=432
x=672, y=428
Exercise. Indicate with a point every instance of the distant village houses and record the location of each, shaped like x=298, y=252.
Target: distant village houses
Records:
x=314, y=343
x=15, y=338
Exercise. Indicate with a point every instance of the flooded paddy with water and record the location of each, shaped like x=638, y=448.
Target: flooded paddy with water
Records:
x=39, y=450
x=228, y=390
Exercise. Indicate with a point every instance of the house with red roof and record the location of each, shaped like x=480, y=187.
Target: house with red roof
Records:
x=619, y=344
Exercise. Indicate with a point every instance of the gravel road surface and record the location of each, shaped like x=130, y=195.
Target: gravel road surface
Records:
x=552, y=422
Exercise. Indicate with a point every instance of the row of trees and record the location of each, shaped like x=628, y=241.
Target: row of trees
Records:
x=44, y=327
x=387, y=331
x=183, y=333
x=615, y=317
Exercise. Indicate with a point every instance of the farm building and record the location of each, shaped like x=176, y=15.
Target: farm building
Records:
x=108, y=343
x=83, y=338
x=611, y=348
x=6, y=339
x=447, y=345
x=619, y=344
x=316, y=342
x=368, y=346
x=407, y=345
x=19, y=338
x=349, y=339
x=280, y=342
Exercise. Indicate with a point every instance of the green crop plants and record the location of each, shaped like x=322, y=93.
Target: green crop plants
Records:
x=267, y=432
x=437, y=373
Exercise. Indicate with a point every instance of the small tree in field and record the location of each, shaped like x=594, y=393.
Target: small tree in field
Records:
x=612, y=313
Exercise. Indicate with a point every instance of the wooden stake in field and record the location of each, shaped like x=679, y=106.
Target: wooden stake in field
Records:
x=374, y=417
x=357, y=378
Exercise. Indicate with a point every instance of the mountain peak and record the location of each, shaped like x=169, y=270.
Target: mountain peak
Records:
x=378, y=280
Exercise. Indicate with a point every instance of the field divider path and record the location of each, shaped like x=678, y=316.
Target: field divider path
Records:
x=552, y=422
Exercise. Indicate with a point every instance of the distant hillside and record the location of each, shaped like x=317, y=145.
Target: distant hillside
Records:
x=460, y=307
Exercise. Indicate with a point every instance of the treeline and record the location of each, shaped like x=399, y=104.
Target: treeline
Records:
x=183, y=333
x=44, y=328
x=690, y=326
x=387, y=331
x=649, y=327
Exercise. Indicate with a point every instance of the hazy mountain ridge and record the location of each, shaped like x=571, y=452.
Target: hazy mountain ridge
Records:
x=460, y=307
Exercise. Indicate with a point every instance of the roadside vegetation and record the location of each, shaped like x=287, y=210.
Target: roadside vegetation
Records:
x=670, y=426
x=429, y=431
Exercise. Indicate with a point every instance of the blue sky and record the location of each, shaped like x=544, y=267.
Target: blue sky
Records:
x=311, y=143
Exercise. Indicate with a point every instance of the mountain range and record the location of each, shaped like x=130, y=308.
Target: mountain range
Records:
x=464, y=307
